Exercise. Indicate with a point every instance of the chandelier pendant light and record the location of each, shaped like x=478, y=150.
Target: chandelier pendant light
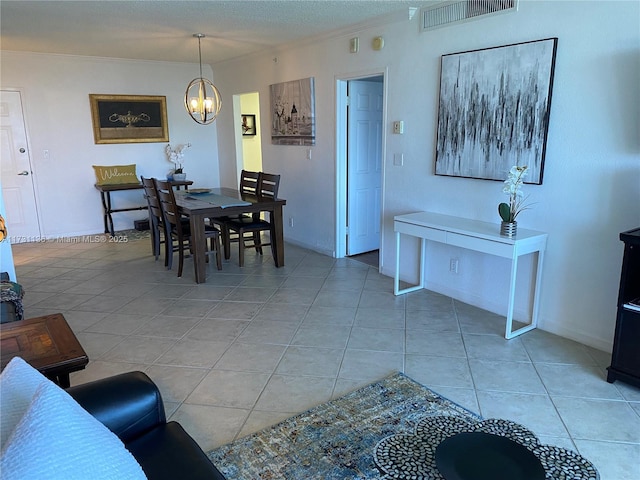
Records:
x=202, y=99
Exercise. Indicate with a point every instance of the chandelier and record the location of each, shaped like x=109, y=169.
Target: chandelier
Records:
x=202, y=99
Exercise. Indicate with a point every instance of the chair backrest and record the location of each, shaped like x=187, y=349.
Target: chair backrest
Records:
x=249, y=182
x=150, y=193
x=168, y=205
x=268, y=185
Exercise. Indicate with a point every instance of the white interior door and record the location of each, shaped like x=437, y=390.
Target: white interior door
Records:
x=364, y=165
x=17, y=183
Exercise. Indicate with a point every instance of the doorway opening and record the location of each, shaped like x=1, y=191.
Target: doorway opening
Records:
x=361, y=114
x=248, y=144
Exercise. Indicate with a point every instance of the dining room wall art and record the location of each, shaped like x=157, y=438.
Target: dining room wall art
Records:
x=129, y=118
x=293, y=119
x=248, y=125
x=494, y=110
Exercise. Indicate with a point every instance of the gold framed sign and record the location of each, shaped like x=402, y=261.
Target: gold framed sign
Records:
x=129, y=118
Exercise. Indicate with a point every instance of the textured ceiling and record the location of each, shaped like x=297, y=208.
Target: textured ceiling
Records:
x=163, y=30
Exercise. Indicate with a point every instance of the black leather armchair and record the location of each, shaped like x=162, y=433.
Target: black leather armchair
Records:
x=130, y=405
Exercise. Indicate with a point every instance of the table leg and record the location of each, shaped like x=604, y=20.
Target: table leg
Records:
x=111, y=230
x=276, y=218
x=536, y=292
x=199, y=246
x=105, y=211
x=509, y=332
x=421, y=259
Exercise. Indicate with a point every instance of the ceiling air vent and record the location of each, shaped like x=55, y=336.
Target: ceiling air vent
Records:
x=447, y=13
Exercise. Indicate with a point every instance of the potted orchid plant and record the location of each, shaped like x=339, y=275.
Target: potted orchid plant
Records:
x=509, y=211
x=176, y=156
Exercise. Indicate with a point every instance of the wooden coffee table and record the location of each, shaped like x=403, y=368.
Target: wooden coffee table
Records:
x=47, y=343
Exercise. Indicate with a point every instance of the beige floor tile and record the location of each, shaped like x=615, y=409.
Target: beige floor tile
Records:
x=98, y=369
x=333, y=298
x=247, y=357
x=194, y=353
x=79, y=321
x=313, y=361
x=380, y=339
x=210, y=426
x=373, y=299
x=576, y=380
x=493, y=347
x=235, y=310
x=536, y=412
x=435, y=372
x=118, y=324
x=225, y=388
x=268, y=332
x=146, y=305
x=295, y=296
x=326, y=315
x=259, y=420
x=318, y=335
x=97, y=344
x=380, y=318
x=432, y=321
x=166, y=326
x=216, y=330
x=614, y=461
x=370, y=365
x=134, y=349
x=506, y=376
x=176, y=383
x=593, y=419
x=445, y=344
x=281, y=313
x=547, y=348
x=286, y=393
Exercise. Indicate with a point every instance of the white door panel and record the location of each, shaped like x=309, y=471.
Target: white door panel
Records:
x=16, y=173
x=364, y=169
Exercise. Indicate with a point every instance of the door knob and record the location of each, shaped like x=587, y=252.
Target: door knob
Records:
x=24, y=172
x=22, y=150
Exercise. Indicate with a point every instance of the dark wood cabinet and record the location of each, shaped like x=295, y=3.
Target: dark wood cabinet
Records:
x=625, y=358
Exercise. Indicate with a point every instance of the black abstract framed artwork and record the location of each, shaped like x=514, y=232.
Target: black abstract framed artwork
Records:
x=494, y=109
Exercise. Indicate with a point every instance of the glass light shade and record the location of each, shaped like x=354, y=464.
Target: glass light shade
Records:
x=202, y=101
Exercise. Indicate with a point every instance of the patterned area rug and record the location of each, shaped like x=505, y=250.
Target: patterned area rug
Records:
x=335, y=440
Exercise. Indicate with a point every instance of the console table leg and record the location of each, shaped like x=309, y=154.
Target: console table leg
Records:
x=512, y=295
x=108, y=214
x=105, y=211
x=509, y=333
x=396, y=281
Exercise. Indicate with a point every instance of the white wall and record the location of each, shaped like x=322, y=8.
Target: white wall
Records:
x=56, y=92
x=591, y=189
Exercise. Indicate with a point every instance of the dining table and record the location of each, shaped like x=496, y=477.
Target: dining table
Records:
x=201, y=203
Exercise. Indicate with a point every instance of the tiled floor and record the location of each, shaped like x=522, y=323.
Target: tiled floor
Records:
x=255, y=345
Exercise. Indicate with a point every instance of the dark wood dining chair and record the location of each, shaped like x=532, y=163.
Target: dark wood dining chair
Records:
x=249, y=228
x=248, y=185
x=156, y=223
x=178, y=235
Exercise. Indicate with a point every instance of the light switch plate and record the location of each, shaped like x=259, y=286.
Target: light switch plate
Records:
x=398, y=159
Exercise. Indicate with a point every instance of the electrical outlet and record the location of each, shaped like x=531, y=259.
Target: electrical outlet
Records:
x=453, y=265
x=291, y=221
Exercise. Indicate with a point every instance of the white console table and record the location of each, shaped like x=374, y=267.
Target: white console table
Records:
x=478, y=236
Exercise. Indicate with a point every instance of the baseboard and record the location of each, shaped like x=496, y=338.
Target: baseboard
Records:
x=572, y=334
x=314, y=248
